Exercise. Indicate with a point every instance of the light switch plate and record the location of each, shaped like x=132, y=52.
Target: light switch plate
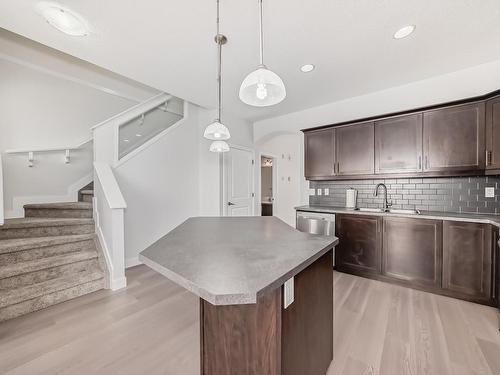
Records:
x=319, y=192
x=489, y=192
x=326, y=191
x=288, y=295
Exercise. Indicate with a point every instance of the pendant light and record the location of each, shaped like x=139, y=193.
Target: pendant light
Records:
x=217, y=131
x=262, y=87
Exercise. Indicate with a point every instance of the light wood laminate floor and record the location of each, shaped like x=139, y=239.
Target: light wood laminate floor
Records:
x=152, y=328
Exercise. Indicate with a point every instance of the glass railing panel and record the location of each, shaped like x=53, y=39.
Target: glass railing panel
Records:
x=135, y=133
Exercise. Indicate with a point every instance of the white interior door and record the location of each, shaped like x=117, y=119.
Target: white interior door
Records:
x=239, y=182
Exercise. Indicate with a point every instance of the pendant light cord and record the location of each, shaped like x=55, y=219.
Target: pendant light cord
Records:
x=261, y=28
x=219, y=65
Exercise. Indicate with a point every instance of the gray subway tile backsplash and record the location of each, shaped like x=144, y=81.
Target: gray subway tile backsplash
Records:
x=450, y=194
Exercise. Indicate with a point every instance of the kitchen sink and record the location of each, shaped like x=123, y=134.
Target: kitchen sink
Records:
x=389, y=211
x=362, y=209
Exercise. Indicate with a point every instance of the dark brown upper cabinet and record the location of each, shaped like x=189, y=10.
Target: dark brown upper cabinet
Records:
x=454, y=138
x=355, y=149
x=412, y=251
x=319, y=150
x=493, y=133
x=468, y=259
x=398, y=145
x=360, y=243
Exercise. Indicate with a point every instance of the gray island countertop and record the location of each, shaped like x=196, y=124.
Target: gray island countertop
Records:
x=234, y=260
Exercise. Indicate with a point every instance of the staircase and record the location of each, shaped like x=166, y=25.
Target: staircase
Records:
x=48, y=257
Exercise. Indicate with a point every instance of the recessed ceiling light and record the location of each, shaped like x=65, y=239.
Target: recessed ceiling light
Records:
x=63, y=19
x=307, y=68
x=404, y=31
x=126, y=140
x=138, y=135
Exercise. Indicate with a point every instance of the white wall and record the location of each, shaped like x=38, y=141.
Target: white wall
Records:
x=39, y=110
x=281, y=135
x=161, y=185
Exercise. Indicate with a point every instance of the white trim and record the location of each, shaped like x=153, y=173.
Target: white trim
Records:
x=151, y=141
x=132, y=262
x=274, y=178
x=2, y=214
x=69, y=78
x=112, y=283
x=137, y=110
x=224, y=179
x=49, y=149
x=110, y=186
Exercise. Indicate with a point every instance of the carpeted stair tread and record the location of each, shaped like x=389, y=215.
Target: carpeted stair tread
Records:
x=60, y=206
x=37, y=222
x=47, y=300
x=28, y=292
x=20, y=268
x=87, y=192
x=22, y=244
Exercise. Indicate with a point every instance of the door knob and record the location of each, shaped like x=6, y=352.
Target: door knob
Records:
x=231, y=204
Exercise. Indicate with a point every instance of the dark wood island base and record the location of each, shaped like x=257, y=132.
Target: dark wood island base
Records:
x=266, y=339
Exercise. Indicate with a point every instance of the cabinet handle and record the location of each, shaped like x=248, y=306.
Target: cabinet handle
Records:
x=420, y=162
x=426, y=162
x=338, y=167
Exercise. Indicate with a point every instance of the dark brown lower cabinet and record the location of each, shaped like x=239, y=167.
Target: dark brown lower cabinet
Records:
x=360, y=243
x=468, y=259
x=453, y=258
x=412, y=251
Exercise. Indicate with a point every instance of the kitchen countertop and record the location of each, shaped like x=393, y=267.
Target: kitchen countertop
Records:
x=434, y=215
x=234, y=260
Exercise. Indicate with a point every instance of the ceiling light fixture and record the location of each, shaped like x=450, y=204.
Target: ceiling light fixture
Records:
x=262, y=87
x=307, y=68
x=217, y=131
x=404, y=31
x=63, y=19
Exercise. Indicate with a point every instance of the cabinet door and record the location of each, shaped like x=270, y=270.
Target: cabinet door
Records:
x=467, y=259
x=319, y=150
x=360, y=243
x=412, y=251
x=355, y=149
x=454, y=138
x=493, y=134
x=398, y=145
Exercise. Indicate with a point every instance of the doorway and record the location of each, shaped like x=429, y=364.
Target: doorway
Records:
x=267, y=169
x=238, y=182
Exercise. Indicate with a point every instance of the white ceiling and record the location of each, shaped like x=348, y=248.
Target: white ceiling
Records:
x=169, y=44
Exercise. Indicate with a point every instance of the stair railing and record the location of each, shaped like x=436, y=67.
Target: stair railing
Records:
x=2, y=215
x=109, y=152
x=109, y=206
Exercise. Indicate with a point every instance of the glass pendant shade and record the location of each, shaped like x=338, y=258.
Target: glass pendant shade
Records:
x=219, y=146
x=217, y=131
x=262, y=88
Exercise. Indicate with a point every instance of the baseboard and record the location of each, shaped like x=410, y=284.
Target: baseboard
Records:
x=116, y=284
x=132, y=262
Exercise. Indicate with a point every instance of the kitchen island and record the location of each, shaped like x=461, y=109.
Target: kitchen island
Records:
x=238, y=266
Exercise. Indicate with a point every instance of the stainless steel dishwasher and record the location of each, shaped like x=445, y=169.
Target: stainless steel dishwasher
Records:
x=316, y=223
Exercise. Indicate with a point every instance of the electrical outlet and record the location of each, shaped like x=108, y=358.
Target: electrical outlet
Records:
x=312, y=191
x=489, y=192
x=319, y=192
x=288, y=295
x=326, y=191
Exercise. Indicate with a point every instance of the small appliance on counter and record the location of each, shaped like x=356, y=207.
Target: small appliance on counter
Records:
x=351, y=196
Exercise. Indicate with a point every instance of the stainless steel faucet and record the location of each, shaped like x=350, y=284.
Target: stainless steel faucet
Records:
x=387, y=204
